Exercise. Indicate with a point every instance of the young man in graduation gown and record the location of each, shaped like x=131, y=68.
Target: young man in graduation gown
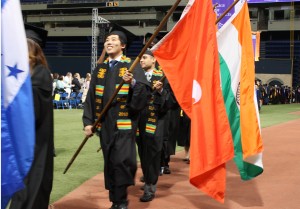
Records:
x=139, y=144
x=152, y=126
x=172, y=132
x=117, y=128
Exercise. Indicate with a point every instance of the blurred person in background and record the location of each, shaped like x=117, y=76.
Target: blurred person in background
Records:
x=76, y=84
x=86, y=86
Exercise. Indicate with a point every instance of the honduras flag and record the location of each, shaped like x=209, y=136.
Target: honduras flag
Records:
x=17, y=116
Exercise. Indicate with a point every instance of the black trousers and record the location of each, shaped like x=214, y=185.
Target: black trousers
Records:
x=118, y=194
x=150, y=160
x=119, y=163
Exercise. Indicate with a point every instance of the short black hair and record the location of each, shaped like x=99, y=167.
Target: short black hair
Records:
x=126, y=37
x=149, y=52
x=122, y=36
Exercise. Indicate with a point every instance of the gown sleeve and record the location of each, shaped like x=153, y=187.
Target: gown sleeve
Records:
x=140, y=93
x=88, y=116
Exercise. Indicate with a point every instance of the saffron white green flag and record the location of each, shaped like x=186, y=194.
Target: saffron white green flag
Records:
x=237, y=77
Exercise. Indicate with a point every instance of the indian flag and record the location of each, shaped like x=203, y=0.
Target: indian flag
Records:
x=237, y=78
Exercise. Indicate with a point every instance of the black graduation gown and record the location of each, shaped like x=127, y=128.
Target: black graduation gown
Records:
x=118, y=146
x=151, y=143
x=38, y=183
x=172, y=132
x=184, y=130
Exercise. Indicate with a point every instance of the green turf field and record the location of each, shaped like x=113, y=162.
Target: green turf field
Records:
x=275, y=114
x=68, y=136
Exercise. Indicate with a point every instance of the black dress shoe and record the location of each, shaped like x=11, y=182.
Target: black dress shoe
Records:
x=119, y=206
x=147, y=197
x=122, y=206
x=167, y=170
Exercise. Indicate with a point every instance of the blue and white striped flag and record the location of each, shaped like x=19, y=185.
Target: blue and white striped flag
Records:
x=17, y=115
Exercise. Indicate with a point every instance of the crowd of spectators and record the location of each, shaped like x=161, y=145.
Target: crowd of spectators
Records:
x=276, y=94
x=266, y=94
x=69, y=83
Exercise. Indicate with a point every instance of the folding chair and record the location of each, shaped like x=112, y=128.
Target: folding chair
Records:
x=78, y=99
x=72, y=100
x=56, y=100
x=64, y=102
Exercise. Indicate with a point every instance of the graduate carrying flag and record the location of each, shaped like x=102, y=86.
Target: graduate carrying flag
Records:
x=189, y=57
x=17, y=117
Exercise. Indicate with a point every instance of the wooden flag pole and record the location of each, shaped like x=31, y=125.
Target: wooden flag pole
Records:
x=226, y=11
x=131, y=69
x=102, y=56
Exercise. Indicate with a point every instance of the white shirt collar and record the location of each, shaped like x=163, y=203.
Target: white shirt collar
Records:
x=149, y=72
x=118, y=58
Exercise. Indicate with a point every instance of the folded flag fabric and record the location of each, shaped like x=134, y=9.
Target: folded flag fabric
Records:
x=237, y=77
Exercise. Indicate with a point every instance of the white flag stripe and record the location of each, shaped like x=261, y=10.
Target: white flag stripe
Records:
x=15, y=50
x=230, y=49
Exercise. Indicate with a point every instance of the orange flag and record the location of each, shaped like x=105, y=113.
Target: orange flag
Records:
x=189, y=57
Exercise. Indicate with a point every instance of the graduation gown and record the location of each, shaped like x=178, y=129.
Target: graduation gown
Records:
x=152, y=131
x=38, y=183
x=184, y=130
x=172, y=132
x=118, y=126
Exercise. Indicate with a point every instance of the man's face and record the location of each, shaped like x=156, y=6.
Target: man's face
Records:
x=147, y=61
x=113, y=45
